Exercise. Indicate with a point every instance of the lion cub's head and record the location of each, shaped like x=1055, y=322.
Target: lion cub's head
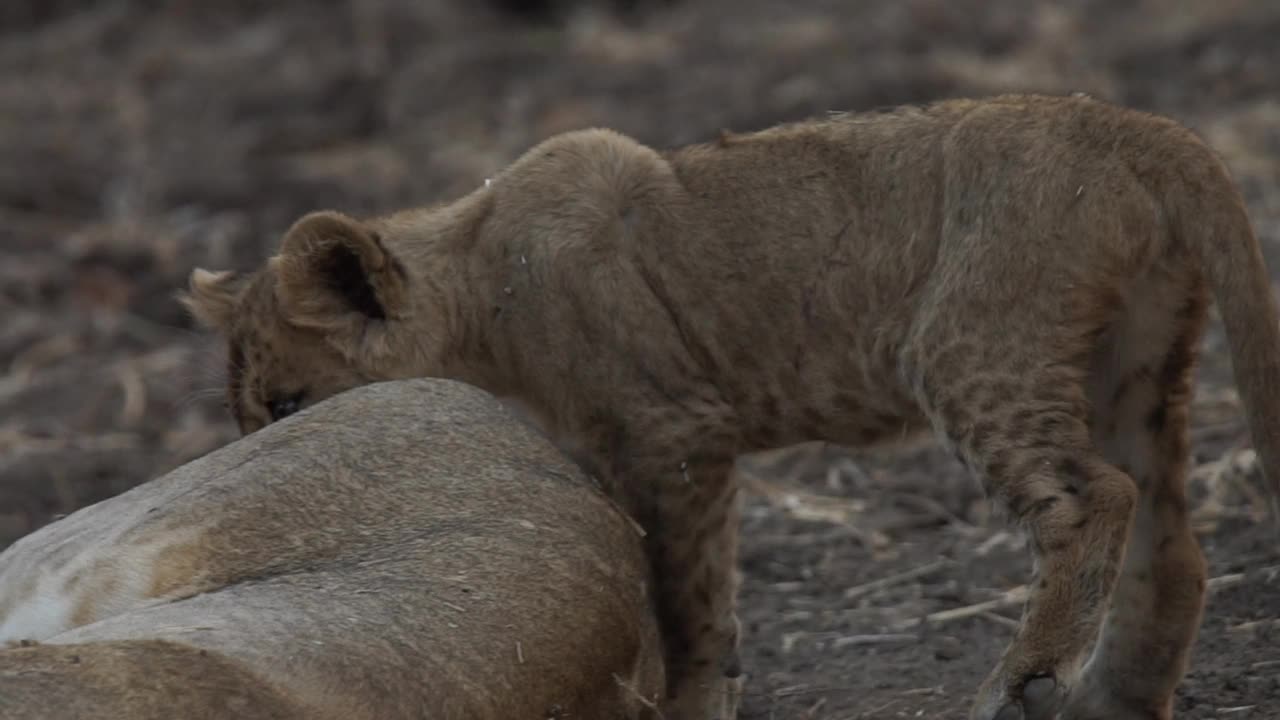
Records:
x=319, y=318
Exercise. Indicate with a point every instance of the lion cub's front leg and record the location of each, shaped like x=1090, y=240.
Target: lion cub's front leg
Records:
x=690, y=512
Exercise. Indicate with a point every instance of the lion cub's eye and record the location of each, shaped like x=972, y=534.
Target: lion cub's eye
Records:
x=282, y=407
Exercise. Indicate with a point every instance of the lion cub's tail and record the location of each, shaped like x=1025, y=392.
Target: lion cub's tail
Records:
x=1207, y=216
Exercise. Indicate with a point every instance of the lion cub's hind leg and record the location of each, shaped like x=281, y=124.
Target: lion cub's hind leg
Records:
x=1140, y=390
x=1016, y=411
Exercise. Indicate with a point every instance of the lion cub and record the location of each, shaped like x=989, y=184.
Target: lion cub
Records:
x=1027, y=276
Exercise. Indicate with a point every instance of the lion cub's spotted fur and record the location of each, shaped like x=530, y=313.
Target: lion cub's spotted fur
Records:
x=1027, y=276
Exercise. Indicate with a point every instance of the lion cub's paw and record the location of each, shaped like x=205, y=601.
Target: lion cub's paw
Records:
x=715, y=698
x=1035, y=697
x=733, y=687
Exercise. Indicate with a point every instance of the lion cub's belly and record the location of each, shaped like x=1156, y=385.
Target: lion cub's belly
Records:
x=847, y=406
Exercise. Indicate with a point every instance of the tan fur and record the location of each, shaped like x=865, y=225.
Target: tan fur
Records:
x=139, y=679
x=1027, y=276
x=403, y=550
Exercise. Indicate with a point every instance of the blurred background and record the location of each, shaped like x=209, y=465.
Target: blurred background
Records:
x=140, y=139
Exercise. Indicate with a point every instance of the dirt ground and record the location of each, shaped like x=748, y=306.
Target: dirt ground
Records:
x=141, y=139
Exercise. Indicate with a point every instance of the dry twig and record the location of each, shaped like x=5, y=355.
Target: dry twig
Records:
x=641, y=698
x=1008, y=598
x=876, y=586
x=859, y=640
x=1256, y=625
x=1018, y=595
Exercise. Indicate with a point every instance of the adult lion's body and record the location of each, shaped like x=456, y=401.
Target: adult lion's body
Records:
x=405, y=550
x=1026, y=275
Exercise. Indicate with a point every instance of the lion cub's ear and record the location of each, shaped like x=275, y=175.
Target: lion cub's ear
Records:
x=212, y=297
x=331, y=266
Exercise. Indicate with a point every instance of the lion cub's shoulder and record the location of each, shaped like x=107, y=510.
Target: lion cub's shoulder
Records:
x=572, y=184
x=581, y=159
